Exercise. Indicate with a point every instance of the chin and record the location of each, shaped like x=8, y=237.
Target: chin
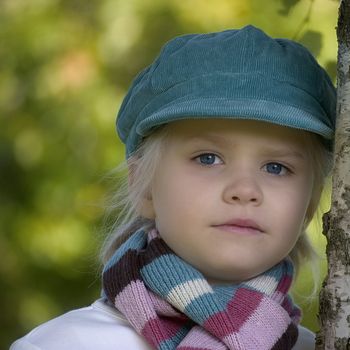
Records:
x=230, y=277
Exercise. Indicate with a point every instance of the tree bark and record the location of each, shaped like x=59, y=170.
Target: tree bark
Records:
x=334, y=312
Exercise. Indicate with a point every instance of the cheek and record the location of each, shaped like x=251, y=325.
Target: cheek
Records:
x=298, y=204
x=179, y=192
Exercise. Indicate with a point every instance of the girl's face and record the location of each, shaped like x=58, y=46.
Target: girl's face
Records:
x=230, y=196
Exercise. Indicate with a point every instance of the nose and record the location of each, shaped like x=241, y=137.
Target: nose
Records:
x=243, y=191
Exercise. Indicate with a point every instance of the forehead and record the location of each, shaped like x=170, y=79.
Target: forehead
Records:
x=234, y=130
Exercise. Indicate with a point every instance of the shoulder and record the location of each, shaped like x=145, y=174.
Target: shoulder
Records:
x=98, y=326
x=102, y=327
x=306, y=340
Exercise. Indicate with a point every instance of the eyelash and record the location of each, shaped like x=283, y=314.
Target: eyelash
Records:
x=197, y=158
x=215, y=156
x=283, y=167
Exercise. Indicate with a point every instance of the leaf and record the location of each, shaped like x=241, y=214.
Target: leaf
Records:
x=287, y=6
x=331, y=68
x=313, y=41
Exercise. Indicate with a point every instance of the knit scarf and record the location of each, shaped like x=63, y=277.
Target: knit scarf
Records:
x=172, y=306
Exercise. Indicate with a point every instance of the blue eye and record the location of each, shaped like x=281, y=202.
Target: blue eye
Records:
x=208, y=159
x=276, y=169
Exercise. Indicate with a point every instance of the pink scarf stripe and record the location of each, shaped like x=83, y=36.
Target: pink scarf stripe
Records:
x=262, y=333
x=172, y=306
x=164, y=329
x=199, y=339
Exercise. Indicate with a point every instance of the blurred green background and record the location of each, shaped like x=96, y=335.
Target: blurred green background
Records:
x=64, y=68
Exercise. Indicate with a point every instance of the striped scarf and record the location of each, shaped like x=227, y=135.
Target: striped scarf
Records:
x=172, y=305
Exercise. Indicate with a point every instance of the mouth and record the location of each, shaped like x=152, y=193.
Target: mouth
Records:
x=240, y=226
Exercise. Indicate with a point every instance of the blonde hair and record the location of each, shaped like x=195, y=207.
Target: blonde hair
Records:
x=141, y=167
x=131, y=191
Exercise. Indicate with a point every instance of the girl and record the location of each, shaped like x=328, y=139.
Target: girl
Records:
x=228, y=139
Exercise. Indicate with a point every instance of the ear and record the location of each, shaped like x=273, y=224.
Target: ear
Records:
x=147, y=208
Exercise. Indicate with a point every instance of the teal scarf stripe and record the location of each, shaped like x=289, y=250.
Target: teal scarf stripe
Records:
x=221, y=314
x=184, y=273
x=208, y=303
x=172, y=342
x=136, y=242
x=178, y=268
x=225, y=293
x=162, y=284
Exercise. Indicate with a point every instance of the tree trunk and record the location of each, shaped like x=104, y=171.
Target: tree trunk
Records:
x=334, y=313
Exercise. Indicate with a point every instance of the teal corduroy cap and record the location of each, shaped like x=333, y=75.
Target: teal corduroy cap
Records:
x=234, y=74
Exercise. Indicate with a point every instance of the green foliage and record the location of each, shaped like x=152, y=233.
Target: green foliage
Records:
x=287, y=6
x=312, y=40
x=65, y=65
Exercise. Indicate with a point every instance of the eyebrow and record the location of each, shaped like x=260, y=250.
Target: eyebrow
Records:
x=284, y=152
x=275, y=151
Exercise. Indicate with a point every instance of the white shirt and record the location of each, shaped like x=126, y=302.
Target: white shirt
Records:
x=102, y=327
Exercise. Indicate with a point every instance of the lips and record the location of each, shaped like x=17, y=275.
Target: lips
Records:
x=241, y=226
